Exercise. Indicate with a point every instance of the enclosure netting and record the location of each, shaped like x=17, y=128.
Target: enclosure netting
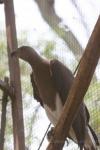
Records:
x=49, y=45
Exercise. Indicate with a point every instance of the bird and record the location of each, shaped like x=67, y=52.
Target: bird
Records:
x=51, y=81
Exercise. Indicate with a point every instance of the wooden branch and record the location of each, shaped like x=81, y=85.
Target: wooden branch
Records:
x=3, y=116
x=17, y=111
x=6, y=88
x=49, y=15
x=78, y=90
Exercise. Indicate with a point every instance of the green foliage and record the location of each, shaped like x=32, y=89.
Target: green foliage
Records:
x=30, y=137
x=95, y=117
x=93, y=92
x=49, y=49
x=22, y=39
x=3, y=56
x=60, y=32
x=92, y=100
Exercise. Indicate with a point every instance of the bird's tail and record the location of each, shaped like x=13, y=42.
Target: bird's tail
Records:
x=91, y=140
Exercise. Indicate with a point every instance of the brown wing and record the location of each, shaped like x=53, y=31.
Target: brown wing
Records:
x=63, y=79
x=35, y=90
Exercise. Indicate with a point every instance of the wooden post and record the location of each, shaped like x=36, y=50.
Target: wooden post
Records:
x=3, y=116
x=17, y=111
x=80, y=85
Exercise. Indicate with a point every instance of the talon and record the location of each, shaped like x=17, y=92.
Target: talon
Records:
x=50, y=134
x=67, y=142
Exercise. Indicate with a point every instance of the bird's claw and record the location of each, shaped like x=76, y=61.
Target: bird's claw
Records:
x=50, y=134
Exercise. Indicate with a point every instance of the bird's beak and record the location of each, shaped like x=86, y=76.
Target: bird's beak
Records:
x=14, y=53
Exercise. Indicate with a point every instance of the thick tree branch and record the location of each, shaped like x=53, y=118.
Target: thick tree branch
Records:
x=78, y=90
x=17, y=109
x=48, y=13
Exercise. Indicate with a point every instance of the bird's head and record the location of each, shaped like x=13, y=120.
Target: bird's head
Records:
x=22, y=52
x=27, y=54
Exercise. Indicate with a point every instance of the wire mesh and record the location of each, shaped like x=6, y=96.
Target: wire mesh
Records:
x=49, y=45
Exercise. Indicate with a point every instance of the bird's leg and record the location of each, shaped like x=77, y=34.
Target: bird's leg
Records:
x=50, y=134
x=81, y=145
x=67, y=141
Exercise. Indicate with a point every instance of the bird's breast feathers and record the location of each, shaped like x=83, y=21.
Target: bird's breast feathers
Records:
x=54, y=115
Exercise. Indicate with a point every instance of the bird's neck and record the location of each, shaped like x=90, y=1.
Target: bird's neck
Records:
x=33, y=58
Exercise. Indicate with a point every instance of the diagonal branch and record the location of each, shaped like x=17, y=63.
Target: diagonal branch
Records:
x=48, y=13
